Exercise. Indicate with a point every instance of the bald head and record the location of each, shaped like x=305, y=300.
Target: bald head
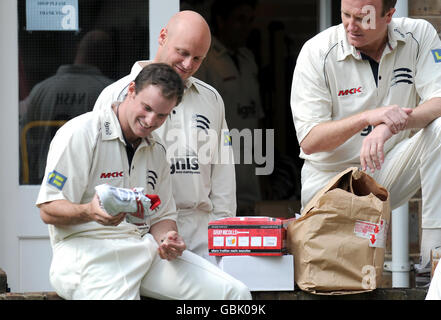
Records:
x=189, y=21
x=184, y=42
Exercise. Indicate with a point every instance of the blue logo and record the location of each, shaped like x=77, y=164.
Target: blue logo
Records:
x=56, y=179
x=437, y=55
x=227, y=139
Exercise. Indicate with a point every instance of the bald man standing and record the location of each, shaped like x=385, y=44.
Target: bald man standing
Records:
x=195, y=134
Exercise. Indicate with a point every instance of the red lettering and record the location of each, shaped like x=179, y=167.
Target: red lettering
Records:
x=349, y=91
x=343, y=93
x=108, y=175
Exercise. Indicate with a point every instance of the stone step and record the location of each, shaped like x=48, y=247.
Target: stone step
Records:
x=30, y=296
x=377, y=294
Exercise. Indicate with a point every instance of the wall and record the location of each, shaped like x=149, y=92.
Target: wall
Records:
x=427, y=9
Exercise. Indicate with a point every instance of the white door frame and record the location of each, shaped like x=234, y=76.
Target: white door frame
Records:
x=24, y=243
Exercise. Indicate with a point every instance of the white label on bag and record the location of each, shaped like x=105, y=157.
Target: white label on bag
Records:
x=375, y=232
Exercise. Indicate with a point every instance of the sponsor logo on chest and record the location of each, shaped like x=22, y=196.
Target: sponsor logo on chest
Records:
x=109, y=175
x=188, y=164
x=350, y=92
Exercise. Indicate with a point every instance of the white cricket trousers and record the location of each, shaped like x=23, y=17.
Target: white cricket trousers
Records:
x=411, y=164
x=110, y=269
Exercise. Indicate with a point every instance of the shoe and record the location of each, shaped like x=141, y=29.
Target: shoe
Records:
x=422, y=275
x=133, y=201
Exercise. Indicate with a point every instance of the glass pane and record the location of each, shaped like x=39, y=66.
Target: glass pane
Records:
x=61, y=73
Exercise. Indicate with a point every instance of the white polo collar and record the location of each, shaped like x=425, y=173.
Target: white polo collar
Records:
x=345, y=49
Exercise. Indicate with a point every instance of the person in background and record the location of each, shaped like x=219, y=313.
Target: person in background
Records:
x=72, y=91
x=230, y=67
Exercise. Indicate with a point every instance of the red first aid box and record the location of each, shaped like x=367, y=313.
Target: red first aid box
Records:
x=257, y=236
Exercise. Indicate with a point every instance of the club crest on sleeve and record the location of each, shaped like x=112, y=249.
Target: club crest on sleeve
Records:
x=227, y=138
x=437, y=55
x=56, y=179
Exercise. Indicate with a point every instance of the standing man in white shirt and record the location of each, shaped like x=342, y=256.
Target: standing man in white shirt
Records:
x=358, y=90
x=103, y=255
x=195, y=133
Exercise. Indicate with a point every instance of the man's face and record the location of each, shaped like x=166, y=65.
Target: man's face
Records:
x=364, y=24
x=183, y=51
x=147, y=111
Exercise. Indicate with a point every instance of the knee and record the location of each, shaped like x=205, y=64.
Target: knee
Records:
x=434, y=128
x=239, y=291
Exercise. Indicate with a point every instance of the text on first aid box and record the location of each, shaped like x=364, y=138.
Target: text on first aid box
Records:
x=247, y=236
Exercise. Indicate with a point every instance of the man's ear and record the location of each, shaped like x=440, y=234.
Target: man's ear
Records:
x=390, y=14
x=131, y=90
x=162, y=36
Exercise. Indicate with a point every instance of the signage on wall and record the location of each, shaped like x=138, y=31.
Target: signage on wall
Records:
x=45, y=15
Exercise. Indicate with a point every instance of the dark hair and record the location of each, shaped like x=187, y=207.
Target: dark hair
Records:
x=162, y=75
x=387, y=5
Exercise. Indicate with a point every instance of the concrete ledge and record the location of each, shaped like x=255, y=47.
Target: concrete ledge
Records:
x=30, y=296
x=378, y=294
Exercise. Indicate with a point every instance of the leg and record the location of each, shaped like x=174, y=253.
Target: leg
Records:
x=85, y=268
x=313, y=181
x=191, y=277
x=412, y=164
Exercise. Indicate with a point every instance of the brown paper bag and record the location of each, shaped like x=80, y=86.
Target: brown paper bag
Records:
x=338, y=242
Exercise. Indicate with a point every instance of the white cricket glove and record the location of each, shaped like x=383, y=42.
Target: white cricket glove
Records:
x=138, y=205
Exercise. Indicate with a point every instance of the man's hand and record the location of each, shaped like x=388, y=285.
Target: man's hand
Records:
x=393, y=116
x=98, y=214
x=372, y=150
x=171, y=246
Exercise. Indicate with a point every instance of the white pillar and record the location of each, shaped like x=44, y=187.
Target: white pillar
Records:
x=159, y=14
x=400, y=265
x=402, y=9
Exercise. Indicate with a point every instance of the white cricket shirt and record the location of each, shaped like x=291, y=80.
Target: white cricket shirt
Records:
x=201, y=179
x=90, y=150
x=331, y=81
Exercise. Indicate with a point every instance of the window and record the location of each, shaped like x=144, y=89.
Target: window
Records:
x=61, y=73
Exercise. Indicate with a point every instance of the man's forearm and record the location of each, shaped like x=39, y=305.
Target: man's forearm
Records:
x=329, y=135
x=63, y=212
x=425, y=114
x=160, y=229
